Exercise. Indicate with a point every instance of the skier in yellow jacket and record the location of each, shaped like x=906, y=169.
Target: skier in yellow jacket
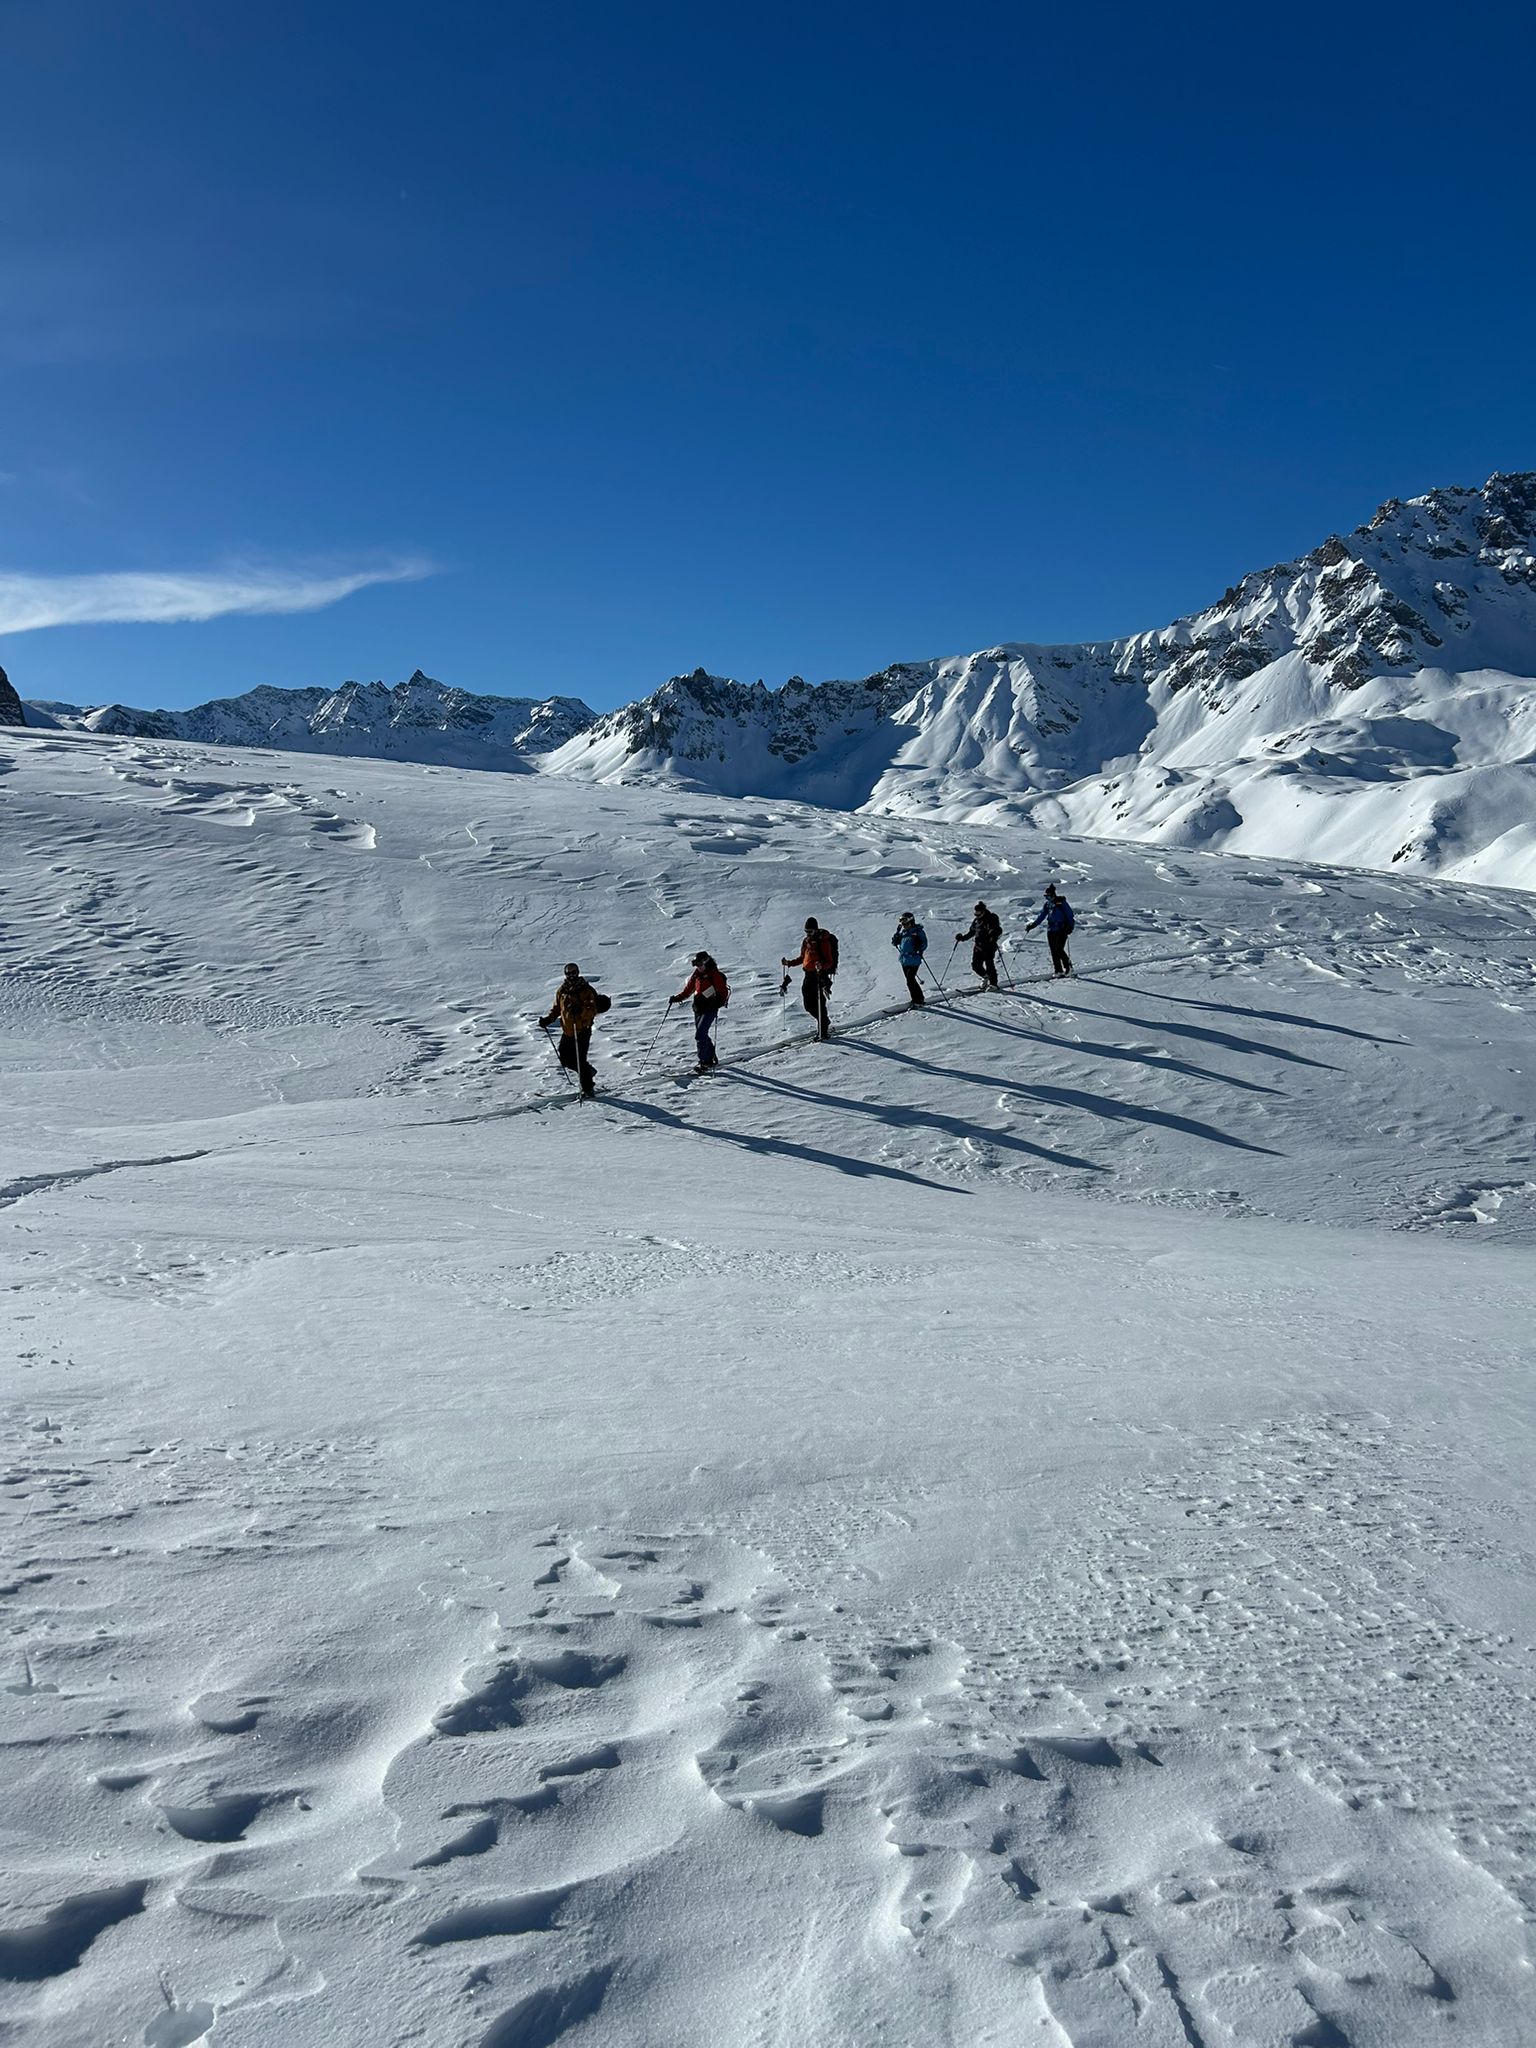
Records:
x=577, y=1004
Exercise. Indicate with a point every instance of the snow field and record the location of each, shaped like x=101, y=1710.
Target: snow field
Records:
x=760, y=1560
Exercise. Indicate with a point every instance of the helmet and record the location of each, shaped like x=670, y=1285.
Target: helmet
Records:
x=906, y=917
x=701, y=960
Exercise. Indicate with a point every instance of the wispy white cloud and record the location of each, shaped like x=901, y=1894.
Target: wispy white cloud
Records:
x=166, y=597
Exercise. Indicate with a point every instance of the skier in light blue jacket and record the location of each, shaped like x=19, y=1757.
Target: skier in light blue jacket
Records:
x=911, y=943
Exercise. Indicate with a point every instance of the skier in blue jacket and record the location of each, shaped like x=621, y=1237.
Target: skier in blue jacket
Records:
x=911, y=943
x=1056, y=916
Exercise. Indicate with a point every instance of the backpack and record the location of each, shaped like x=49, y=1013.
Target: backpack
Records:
x=989, y=927
x=1069, y=921
x=829, y=952
x=600, y=1002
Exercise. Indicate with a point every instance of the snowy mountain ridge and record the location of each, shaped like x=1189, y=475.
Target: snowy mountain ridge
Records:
x=419, y=720
x=1371, y=703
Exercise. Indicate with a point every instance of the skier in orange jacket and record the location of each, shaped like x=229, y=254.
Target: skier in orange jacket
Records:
x=817, y=961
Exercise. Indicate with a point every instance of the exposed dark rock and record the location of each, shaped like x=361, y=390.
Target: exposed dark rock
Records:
x=11, y=712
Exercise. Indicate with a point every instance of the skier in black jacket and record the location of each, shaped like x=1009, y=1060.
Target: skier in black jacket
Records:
x=984, y=931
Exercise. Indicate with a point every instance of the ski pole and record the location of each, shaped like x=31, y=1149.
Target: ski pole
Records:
x=560, y=1063
x=954, y=949
x=652, y=1046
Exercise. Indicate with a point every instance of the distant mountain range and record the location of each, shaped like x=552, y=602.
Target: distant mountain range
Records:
x=419, y=720
x=1371, y=704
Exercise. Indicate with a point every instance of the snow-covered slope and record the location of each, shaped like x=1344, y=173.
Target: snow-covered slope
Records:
x=1010, y=1527
x=1372, y=704
x=418, y=720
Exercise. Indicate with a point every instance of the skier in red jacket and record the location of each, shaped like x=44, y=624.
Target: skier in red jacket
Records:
x=710, y=992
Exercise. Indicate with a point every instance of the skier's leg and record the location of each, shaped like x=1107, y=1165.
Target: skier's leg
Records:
x=583, y=1064
x=823, y=1024
x=810, y=993
x=565, y=1053
x=703, y=1025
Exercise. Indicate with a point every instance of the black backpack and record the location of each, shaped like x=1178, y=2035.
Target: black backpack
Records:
x=830, y=941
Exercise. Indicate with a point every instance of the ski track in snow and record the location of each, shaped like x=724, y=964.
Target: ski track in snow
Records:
x=760, y=1560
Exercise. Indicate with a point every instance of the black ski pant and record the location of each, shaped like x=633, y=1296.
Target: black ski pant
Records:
x=914, y=985
x=704, y=1033
x=1061, y=959
x=574, y=1047
x=815, y=988
x=984, y=963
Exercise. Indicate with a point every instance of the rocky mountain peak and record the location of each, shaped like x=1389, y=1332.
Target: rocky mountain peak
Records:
x=11, y=711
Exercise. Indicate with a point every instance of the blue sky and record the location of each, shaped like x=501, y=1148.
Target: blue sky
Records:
x=621, y=339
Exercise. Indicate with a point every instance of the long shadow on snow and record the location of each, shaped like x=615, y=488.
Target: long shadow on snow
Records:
x=924, y=1119
x=1095, y=1048
x=1107, y=1106
x=812, y=1154
x=1263, y=1016
x=1227, y=1040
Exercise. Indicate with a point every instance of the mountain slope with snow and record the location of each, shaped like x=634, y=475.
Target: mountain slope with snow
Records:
x=1373, y=704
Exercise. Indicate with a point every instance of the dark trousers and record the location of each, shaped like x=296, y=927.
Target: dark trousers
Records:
x=1061, y=959
x=703, y=1033
x=573, y=1055
x=984, y=963
x=914, y=986
x=815, y=988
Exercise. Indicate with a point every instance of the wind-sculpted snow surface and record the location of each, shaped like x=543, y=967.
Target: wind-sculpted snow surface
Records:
x=1009, y=1526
